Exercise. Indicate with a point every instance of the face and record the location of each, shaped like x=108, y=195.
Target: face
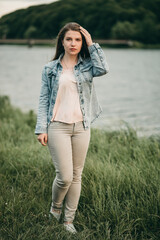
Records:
x=72, y=42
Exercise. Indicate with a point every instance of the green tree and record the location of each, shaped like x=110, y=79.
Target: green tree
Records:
x=147, y=29
x=30, y=32
x=123, y=30
x=3, y=31
x=122, y=19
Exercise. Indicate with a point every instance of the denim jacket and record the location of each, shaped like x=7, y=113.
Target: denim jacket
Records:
x=84, y=71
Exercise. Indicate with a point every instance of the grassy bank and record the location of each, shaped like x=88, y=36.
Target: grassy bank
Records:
x=120, y=198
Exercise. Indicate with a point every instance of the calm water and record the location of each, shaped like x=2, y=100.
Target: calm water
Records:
x=130, y=92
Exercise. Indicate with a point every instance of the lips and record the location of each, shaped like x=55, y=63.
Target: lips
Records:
x=73, y=49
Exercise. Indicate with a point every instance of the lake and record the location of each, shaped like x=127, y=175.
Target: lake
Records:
x=129, y=93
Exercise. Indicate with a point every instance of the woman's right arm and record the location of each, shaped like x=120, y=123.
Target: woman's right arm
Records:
x=42, y=125
x=43, y=138
x=100, y=66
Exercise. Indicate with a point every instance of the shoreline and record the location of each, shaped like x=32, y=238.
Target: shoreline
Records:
x=107, y=43
x=123, y=126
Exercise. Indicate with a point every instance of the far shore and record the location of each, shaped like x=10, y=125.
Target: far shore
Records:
x=110, y=43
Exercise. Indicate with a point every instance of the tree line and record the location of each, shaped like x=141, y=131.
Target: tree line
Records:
x=137, y=20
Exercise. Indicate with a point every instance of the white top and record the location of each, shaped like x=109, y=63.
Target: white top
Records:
x=67, y=105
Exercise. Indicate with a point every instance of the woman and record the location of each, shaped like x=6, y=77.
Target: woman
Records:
x=67, y=106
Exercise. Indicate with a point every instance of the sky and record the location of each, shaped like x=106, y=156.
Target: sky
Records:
x=7, y=6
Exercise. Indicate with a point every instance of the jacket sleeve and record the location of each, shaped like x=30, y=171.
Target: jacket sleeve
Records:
x=100, y=66
x=43, y=108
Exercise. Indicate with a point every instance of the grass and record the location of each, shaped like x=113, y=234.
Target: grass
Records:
x=120, y=198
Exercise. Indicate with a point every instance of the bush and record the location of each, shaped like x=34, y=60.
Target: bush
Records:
x=123, y=30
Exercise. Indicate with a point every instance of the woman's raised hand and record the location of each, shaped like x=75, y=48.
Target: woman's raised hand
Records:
x=87, y=36
x=43, y=138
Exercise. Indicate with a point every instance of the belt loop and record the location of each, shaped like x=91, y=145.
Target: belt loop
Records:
x=73, y=127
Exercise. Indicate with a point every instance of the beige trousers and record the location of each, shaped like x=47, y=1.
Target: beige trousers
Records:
x=68, y=145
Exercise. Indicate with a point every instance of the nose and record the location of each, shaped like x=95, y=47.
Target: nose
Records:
x=73, y=43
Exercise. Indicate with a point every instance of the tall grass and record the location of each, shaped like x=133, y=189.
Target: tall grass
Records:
x=120, y=198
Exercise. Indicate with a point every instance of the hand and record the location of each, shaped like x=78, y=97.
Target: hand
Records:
x=87, y=36
x=43, y=138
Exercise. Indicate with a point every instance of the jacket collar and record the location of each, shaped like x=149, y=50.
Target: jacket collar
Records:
x=62, y=54
x=58, y=62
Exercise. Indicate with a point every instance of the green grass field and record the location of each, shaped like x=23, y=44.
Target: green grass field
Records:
x=120, y=198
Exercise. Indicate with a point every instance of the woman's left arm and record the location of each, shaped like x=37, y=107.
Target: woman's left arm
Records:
x=100, y=66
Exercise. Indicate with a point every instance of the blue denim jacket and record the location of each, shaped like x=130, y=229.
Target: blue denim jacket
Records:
x=84, y=72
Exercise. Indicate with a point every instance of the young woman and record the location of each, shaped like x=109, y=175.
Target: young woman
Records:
x=67, y=106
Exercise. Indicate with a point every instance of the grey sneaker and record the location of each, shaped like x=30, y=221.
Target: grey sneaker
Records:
x=55, y=214
x=70, y=227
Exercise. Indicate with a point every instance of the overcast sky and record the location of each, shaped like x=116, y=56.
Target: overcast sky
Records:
x=7, y=6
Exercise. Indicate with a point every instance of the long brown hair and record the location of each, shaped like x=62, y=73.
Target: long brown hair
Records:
x=59, y=47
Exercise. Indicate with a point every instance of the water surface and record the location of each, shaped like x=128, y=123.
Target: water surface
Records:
x=128, y=93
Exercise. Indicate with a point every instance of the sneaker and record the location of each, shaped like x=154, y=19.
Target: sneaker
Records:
x=70, y=227
x=55, y=214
